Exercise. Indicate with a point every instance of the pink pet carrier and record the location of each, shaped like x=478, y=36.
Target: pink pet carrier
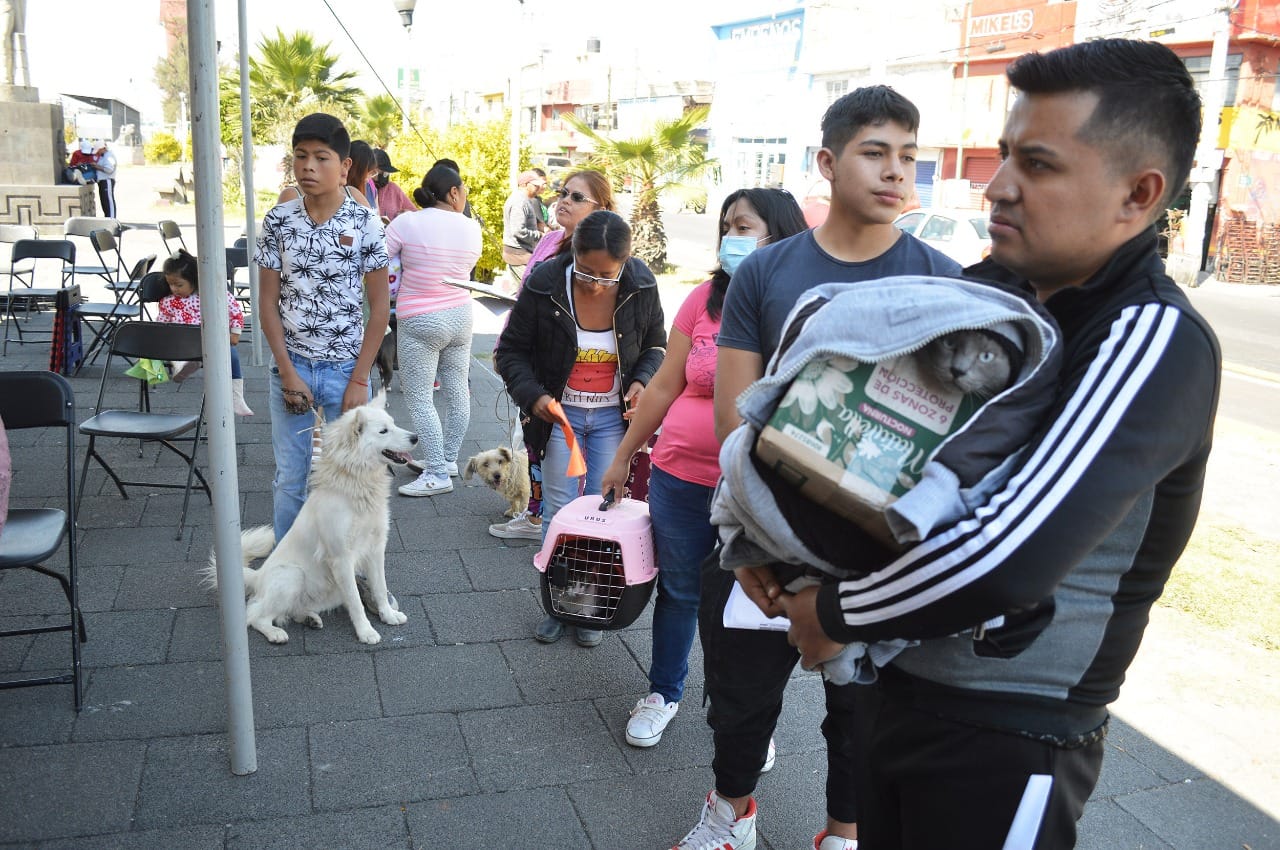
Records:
x=598, y=567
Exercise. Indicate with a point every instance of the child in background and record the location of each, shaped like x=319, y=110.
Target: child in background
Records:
x=182, y=306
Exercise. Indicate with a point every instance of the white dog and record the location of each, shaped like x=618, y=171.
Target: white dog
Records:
x=504, y=471
x=340, y=532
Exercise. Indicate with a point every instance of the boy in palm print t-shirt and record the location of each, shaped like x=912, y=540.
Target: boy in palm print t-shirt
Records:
x=318, y=255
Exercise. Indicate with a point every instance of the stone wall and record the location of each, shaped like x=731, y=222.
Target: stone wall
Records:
x=46, y=207
x=32, y=151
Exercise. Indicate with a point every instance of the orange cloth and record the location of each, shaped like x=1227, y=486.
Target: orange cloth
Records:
x=577, y=463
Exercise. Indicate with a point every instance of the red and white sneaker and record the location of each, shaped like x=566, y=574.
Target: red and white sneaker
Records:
x=822, y=841
x=720, y=829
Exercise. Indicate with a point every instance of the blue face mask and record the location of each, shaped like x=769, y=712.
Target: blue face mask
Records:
x=733, y=249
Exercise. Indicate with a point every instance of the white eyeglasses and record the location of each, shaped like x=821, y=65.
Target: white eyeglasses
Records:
x=599, y=281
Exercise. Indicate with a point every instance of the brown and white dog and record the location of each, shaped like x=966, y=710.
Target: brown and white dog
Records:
x=504, y=471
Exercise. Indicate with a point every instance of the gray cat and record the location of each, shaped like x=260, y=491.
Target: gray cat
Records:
x=978, y=362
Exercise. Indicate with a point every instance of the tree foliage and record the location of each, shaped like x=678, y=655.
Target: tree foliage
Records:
x=668, y=158
x=379, y=120
x=289, y=77
x=172, y=77
x=482, y=151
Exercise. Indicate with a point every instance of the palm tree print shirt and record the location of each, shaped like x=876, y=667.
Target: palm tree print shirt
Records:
x=322, y=269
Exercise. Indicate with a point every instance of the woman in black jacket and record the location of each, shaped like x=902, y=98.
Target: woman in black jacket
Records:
x=587, y=331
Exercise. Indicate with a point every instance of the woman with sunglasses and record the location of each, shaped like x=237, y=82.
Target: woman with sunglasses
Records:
x=583, y=193
x=686, y=459
x=587, y=330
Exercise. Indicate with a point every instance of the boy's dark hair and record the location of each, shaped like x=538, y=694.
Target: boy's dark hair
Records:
x=780, y=213
x=436, y=186
x=324, y=128
x=1147, y=101
x=183, y=265
x=603, y=231
x=869, y=106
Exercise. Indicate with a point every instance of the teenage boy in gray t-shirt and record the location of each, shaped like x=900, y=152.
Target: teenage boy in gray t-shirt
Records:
x=869, y=156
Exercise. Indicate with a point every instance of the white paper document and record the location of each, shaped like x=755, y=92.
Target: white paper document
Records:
x=741, y=613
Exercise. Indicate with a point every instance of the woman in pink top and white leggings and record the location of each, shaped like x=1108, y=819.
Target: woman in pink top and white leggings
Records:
x=434, y=321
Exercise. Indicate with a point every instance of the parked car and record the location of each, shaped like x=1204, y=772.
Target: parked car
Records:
x=961, y=234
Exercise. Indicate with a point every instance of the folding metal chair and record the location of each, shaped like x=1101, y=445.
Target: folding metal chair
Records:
x=152, y=288
x=31, y=536
x=169, y=231
x=27, y=294
x=82, y=226
x=102, y=318
x=108, y=251
x=158, y=341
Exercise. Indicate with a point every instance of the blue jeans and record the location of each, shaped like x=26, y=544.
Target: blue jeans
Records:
x=683, y=536
x=291, y=433
x=599, y=431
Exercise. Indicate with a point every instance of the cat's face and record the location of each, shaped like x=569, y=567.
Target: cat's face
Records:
x=968, y=362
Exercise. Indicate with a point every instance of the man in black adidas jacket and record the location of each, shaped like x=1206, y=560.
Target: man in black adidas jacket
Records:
x=991, y=737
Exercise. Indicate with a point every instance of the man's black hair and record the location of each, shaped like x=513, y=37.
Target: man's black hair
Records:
x=869, y=106
x=1147, y=101
x=324, y=128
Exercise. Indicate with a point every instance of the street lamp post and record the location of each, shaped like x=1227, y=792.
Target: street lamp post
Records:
x=404, y=8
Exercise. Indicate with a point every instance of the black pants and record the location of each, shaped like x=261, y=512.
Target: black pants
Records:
x=107, y=194
x=746, y=674
x=929, y=782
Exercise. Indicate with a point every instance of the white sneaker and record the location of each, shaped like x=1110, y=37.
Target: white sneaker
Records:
x=415, y=466
x=650, y=716
x=822, y=841
x=427, y=484
x=720, y=829
x=770, y=758
x=519, y=527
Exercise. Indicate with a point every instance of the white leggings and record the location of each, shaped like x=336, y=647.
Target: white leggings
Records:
x=431, y=346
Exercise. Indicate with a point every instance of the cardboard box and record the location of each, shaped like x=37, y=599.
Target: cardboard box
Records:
x=856, y=436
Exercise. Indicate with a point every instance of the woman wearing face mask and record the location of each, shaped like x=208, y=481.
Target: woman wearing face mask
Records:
x=685, y=462
x=583, y=193
x=587, y=331
x=434, y=321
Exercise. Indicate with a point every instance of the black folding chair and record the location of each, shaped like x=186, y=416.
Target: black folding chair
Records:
x=82, y=226
x=152, y=288
x=102, y=318
x=22, y=289
x=33, y=535
x=169, y=231
x=155, y=341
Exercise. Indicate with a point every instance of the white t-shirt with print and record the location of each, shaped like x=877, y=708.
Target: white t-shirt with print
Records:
x=322, y=269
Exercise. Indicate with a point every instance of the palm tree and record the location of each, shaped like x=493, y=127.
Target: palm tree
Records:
x=669, y=158
x=293, y=76
x=379, y=120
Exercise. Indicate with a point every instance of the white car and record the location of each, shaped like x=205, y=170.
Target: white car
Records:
x=961, y=234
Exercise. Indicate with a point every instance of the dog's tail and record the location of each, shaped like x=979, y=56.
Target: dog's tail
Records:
x=256, y=542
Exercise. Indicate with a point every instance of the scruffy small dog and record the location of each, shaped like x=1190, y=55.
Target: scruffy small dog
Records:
x=505, y=471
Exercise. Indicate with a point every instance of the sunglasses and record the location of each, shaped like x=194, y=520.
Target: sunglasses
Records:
x=599, y=281
x=576, y=197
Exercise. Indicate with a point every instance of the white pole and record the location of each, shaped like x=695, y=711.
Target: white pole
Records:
x=223, y=473
x=1186, y=268
x=246, y=182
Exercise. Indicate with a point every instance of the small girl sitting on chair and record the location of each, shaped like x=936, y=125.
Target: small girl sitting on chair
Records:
x=182, y=306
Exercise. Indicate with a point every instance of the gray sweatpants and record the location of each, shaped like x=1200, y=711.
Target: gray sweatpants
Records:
x=431, y=346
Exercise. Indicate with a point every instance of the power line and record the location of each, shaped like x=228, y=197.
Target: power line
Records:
x=403, y=114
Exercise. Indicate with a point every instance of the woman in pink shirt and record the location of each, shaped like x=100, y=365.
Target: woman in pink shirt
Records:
x=434, y=321
x=685, y=462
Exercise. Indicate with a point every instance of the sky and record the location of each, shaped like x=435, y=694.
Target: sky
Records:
x=113, y=52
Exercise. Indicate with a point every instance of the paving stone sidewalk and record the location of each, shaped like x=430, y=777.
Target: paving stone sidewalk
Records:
x=457, y=731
